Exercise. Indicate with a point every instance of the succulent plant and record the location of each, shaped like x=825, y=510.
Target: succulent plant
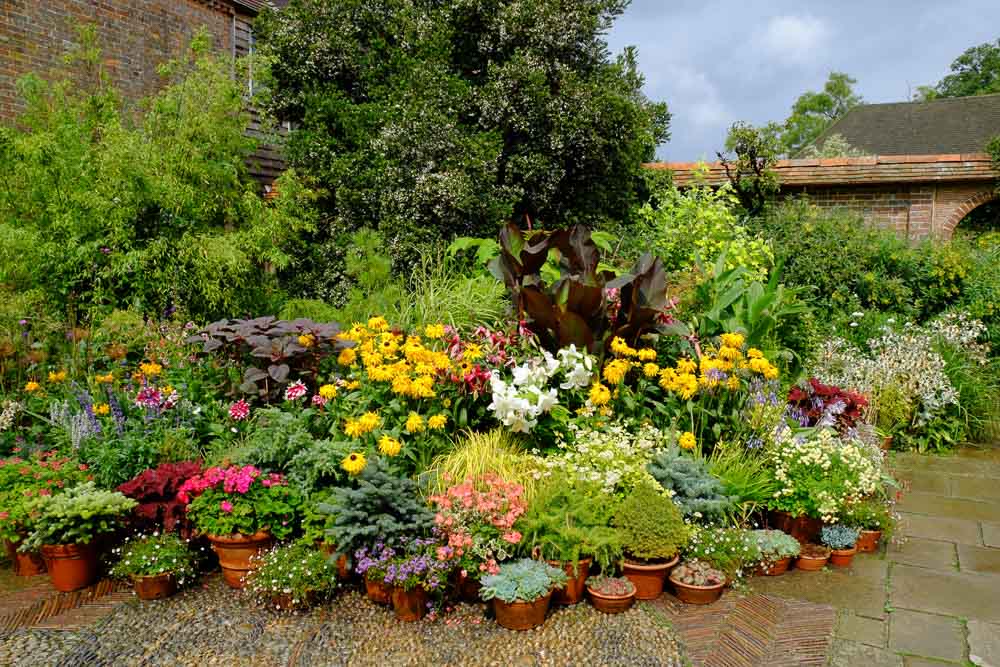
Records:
x=838, y=536
x=523, y=580
x=776, y=544
x=698, y=573
x=610, y=585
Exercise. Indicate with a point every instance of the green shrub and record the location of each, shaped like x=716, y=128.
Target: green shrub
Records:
x=650, y=524
x=75, y=516
x=310, y=309
x=699, y=494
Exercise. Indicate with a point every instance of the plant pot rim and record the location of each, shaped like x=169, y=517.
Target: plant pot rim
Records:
x=234, y=538
x=844, y=552
x=71, y=546
x=578, y=561
x=162, y=575
x=526, y=602
x=653, y=566
x=697, y=587
x=606, y=596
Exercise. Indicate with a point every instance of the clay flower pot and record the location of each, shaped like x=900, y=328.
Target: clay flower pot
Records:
x=521, y=615
x=842, y=557
x=409, y=605
x=236, y=554
x=25, y=564
x=803, y=528
x=648, y=578
x=691, y=594
x=71, y=566
x=776, y=568
x=468, y=588
x=610, y=604
x=155, y=587
x=288, y=602
x=868, y=541
x=343, y=573
x=378, y=591
x=812, y=558
x=576, y=583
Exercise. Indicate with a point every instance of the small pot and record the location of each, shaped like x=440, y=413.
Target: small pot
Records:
x=286, y=602
x=803, y=528
x=521, y=615
x=25, y=564
x=576, y=582
x=237, y=554
x=610, y=604
x=648, y=578
x=71, y=566
x=409, y=605
x=842, y=557
x=809, y=563
x=691, y=594
x=155, y=587
x=378, y=591
x=468, y=588
x=776, y=568
x=868, y=541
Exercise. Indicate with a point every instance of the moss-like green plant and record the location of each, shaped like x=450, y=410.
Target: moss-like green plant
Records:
x=75, y=516
x=650, y=525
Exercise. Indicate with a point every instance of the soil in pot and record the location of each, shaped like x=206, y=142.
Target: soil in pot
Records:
x=813, y=557
x=842, y=557
x=776, y=568
x=803, y=528
x=868, y=541
x=521, y=615
x=576, y=584
x=378, y=591
x=156, y=587
x=610, y=604
x=409, y=605
x=691, y=594
x=236, y=554
x=648, y=578
x=71, y=566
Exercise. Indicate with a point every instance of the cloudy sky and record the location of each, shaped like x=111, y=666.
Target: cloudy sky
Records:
x=718, y=61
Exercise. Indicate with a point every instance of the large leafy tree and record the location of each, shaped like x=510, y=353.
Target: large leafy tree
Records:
x=975, y=72
x=814, y=111
x=428, y=119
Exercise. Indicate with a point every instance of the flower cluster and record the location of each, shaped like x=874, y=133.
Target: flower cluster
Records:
x=151, y=555
x=418, y=565
x=234, y=479
x=817, y=404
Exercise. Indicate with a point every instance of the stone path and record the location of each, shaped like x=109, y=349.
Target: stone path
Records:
x=934, y=599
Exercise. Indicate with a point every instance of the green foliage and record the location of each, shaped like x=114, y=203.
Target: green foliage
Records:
x=975, y=72
x=977, y=382
x=75, y=516
x=813, y=112
x=993, y=148
x=570, y=519
x=116, y=460
x=24, y=479
x=650, y=524
x=297, y=570
x=433, y=120
x=477, y=455
x=838, y=536
x=834, y=145
x=150, y=555
x=775, y=545
x=310, y=309
x=755, y=151
x=727, y=549
x=699, y=494
x=871, y=515
x=440, y=292
x=522, y=580
x=314, y=522
x=744, y=474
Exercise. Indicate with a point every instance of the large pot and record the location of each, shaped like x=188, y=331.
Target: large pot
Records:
x=71, y=566
x=691, y=594
x=378, y=591
x=648, y=578
x=803, y=528
x=155, y=587
x=237, y=554
x=521, y=615
x=842, y=557
x=409, y=605
x=610, y=604
x=576, y=582
x=868, y=541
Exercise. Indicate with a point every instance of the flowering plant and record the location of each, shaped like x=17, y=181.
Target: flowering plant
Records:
x=820, y=475
x=223, y=501
x=728, y=549
x=418, y=563
x=24, y=479
x=150, y=555
x=372, y=562
x=818, y=404
x=295, y=575
x=478, y=526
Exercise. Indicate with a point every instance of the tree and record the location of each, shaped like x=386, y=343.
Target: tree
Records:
x=835, y=145
x=750, y=174
x=813, y=112
x=975, y=72
x=428, y=120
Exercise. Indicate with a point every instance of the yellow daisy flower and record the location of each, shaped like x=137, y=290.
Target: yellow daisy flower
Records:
x=354, y=463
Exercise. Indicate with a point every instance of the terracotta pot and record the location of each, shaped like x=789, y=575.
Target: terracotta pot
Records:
x=155, y=587
x=409, y=605
x=10, y=549
x=468, y=588
x=610, y=604
x=236, y=554
x=803, y=528
x=71, y=566
x=776, y=568
x=25, y=564
x=522, y=615
x=811, y=563
x=691, y=594
x=868, y=541
x=842, y=557
x=378, y=591
x=286, y=602
x=648, y=578
x=343, y=573
x=577, y=574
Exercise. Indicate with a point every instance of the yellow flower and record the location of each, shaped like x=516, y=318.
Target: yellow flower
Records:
x=347, y=357
x=647, y=354
x=686, y=366
x=354, y=463
x=730, y=353
x=370, y=421
x=168, y=389
x=151, y=369
x=388, y=345
x=650, y=370
x=615, y=371
x=378, y=323
x=32, y=387
x=599, y=394
x=414, y=423
x=771, y=372
x=101, y=408
x=687, y=440
x=754, y=353
x=307, y=340
x=437, y=422
x=434, y=331
x=668, y=379
x=735, y=340
x=605, y=411
x=105, y=379
x=57, y=377
x=686, y=385
x=621, y=348
x=401, y=384
x=328, y=391
x=472, y=351
x=446, y=402
x=389, y=445
x=733, y=383
x=352, y=385
x=366, y=423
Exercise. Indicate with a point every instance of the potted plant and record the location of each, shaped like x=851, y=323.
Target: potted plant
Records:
x=777, y=549
x=730, y=550
x=316, y=526
x=652, y=531
x=372, y=563
x=415, y=575
x=568, y=525
x=521, y=592
x=874, y=522
x=292, y=576
x=697, y=582
x=476, y=518
x=156, y=564
x=812, y=557
x=841, y=539
x=65, y=527
x=612, y=595
x=241, y=511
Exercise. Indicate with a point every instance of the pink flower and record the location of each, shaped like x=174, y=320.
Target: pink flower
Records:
x=4, y=515
x=44, y=492
x=295, y=391
x=226, y=506
x=239, y=411
x=318, y=401
x=513, y=537
x=83, y=466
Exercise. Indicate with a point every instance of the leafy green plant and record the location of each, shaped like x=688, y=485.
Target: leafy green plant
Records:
x=775, y=545
x=522, y=580
x=150, y=555
x=650, y=524
x=871, y=515
x=838, y=536
x=745, y=476
x=75, y=516
x=699, y=494
x=241, y=500
x=298, y=572
x=731, y=550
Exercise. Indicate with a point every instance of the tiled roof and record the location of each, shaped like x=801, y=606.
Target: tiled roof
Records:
x=943, y=126
x=257, y=5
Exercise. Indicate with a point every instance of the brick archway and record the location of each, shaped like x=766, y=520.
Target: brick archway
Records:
x=964, y=208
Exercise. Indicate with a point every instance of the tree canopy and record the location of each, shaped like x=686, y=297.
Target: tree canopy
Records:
x=975, y=72
x=813, y=112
